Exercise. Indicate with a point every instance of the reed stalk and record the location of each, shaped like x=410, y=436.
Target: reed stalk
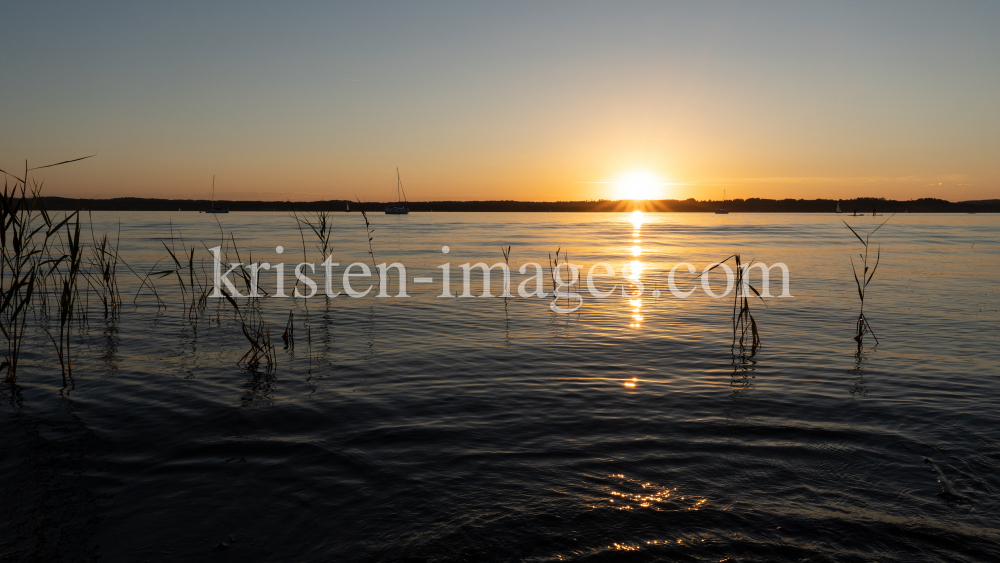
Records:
x=101, y=273
x=744, y=324
x=18, y=270
x=862, y=326
x=289, y=335
x=369, y=230
x=553, y=266
x=26, y=262
x=257, y=333
x=69, y=296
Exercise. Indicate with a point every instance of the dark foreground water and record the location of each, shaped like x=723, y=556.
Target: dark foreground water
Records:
x=450, y=429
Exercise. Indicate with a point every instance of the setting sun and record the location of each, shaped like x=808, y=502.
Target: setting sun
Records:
x=639, y=185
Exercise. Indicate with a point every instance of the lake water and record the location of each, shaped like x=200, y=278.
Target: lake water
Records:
x=488, y=429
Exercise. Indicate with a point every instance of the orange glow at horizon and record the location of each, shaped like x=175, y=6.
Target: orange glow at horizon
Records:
x=639, y=185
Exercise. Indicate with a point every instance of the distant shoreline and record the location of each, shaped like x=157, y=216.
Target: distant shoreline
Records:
x=753, y=205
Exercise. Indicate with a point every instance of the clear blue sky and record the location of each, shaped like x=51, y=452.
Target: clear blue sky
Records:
x=505, y=100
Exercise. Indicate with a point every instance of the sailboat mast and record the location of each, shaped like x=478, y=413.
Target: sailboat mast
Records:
x=399, y=186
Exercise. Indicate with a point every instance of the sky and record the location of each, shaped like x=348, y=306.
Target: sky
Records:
x=489, y=100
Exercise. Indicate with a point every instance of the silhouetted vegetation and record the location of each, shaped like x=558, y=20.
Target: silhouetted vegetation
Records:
x=37, y=261
x=863, y=327
x=744, y=324
x=864, y=205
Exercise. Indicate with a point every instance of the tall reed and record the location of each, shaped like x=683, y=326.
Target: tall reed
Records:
x=553, y=266
x=102, y=269
x=252, y=324
x=257, y=333
x=744, y=325
x=26, y=260
x=862, y=283
x=69, y=295
x=369, y=230
x=18, y=270
x=322, y=227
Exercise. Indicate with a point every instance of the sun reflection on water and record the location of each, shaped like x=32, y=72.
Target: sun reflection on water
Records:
x=637, y=219
x=632, y=271
x=627, y=495
x=631, y=494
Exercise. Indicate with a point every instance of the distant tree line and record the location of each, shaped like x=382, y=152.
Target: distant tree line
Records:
x=752, y=205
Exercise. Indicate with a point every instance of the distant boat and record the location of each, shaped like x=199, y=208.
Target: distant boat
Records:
x=213, y=208
x=838, y=208
x=348, y=206
x=398, y=208
x=722, y=210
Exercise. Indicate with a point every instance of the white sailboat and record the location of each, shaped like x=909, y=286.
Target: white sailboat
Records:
x=398, y=208
x=838, y=208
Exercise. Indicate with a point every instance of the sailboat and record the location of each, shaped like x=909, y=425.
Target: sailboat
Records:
x=838, y=208
x=398, y=208
x=722, y=210
x=213, y=208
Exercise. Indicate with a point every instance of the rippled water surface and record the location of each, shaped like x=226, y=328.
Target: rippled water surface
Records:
x=487, y=429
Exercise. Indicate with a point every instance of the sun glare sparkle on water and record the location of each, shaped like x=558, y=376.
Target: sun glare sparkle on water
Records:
x=639, y=185
x=634, y=270
x=636, y=221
